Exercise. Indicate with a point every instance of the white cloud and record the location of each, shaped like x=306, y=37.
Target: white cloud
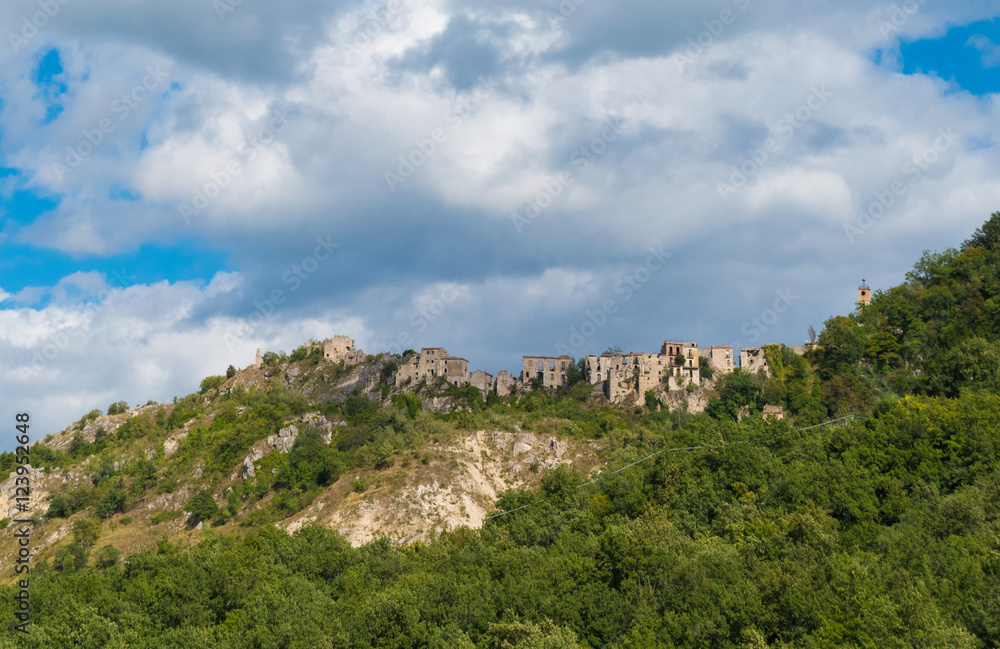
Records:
x=989, y=51
x=138, y=343
x=352, y=111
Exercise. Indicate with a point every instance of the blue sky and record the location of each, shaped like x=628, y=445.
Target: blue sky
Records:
x=179, y=186
x=967, y=56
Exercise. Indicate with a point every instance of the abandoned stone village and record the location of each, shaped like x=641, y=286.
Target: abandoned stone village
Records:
x=620, y=376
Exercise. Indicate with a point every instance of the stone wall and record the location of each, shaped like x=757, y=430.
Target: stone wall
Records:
x=505, y=383
x=431, y=363
x=341, y=348
x=719, y=357
x=551, y=369
x=482, y=380
x=752, y=360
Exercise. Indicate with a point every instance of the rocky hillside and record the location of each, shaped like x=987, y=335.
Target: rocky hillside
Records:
x=286, y=444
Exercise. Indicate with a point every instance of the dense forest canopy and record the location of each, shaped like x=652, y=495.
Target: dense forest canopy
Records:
x=878, y=530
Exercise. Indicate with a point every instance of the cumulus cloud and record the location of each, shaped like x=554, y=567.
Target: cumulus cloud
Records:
x=94, y=343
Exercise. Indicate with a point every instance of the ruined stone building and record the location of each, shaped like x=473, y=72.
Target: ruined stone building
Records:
x=550, y=369
x=719, y=357
x=620, y=375
x=504, y=383
x=684, y=359
x=431, y=363
x=633, y=373
x=482, y=380
x=339, y=348
x=752, y=360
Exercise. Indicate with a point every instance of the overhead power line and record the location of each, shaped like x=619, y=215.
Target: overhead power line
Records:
x=667, y=450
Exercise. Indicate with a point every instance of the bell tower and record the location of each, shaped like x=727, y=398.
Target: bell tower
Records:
x=864, y=294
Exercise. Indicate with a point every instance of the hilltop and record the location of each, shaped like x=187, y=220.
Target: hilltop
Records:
x=843, y=495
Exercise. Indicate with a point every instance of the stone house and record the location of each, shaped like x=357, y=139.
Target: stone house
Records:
x=339, y=348
x=719, y=357
x=550, y=369
x=684, y=359
x=431, y=363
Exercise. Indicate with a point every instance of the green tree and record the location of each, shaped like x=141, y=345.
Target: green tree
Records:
x=230, y=372
x=738, y=390
x=987, y=235
x=202, y=506
x=77, y=444
x=107, y=556
x=118, y=408
x=211, y=383
x=114, y=501
x=576, y=372
x=843, y=345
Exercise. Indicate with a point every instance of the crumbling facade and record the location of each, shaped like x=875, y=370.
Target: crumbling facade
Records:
x=505, y=383
x=719, y=357
x=550, y=369
x=684, y=359
x=752, y=360
x=431, y=363
x=482, y=380
x=341, y=348
x=621, y=375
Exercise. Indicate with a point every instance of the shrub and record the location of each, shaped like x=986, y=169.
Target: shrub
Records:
x=118, y=408
x=211, y=383
x=202, y=506
x=107, y=556
x=163, y=517
x=77, y=444
x=114, y=500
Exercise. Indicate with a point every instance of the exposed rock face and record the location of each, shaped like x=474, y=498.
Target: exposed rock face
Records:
x=249, y=470
x=285, y=440
x=288, y=380
x=361, y=379
x=445, y=494
x=440, y=405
